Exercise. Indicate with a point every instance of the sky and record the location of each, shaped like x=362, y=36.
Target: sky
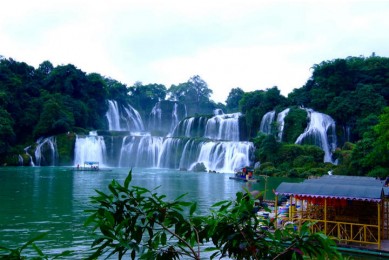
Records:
x=250, y=44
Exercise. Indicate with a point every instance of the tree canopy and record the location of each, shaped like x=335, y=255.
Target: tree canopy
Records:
x=195, y=94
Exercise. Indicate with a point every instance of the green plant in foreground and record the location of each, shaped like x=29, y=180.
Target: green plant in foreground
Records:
x=136, y=222
x=139, y=221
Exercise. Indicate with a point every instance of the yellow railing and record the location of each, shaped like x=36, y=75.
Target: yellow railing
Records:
x=344, y=232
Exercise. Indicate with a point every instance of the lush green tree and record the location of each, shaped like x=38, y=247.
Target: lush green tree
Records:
x=18, y=89
x=117, y=90
x=378, y=157
x=267, y=148
x=232, y=102
x=195, y=94
x=295, y=123
x=144, y=97
x=54, y=119
x=45, y=68
x=257, y=103
x=7, y=135
x=349, y=90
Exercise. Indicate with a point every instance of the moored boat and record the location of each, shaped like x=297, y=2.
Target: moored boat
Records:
x=90, y=166
x=245, y=175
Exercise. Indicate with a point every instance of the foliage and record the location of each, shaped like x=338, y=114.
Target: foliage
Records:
x=255, y=104
x=292, y=160
x=144, y=97
x=347, y=89
x=138, y=223
x=232, y=102
x=50, y=100
x=195, y=93
x=55, y=118
x=379, y=156
x=65, y=144
x=6, y=131
x=369, y=156
x=295, y=123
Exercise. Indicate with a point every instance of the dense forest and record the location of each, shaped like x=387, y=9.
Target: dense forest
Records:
x=46, y=101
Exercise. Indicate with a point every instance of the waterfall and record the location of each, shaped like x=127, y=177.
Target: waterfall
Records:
x=156, y=117
x=20, y=160
x=181, y=142
x=223, y=127
x=113, y=116
x=281, y=122
x=46, y=152
x=190, y=153
x=174, y=118
x=29, y=155
x=321, y=132
x=164, y=152
x=125, y=119
x=191, y=127
x=266, y=122
x=140, y=151
x=90, y=148
x=225, y=156
x=170, y=156
x=133, y=120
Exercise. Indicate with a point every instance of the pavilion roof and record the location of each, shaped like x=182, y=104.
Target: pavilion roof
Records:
x=338, y=187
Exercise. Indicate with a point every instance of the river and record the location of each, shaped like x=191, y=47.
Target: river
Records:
x=53, y=199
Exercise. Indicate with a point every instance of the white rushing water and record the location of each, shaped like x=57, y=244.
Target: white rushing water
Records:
x=321, y=132
x=266, y=122
x=281, y=122
x=90, y=148
x=123, y=119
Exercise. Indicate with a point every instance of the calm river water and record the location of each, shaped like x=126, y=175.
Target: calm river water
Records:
x=53, y=199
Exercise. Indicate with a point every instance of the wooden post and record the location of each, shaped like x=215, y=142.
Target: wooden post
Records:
x=325, y=216
x=276, y=210
x=379, y=224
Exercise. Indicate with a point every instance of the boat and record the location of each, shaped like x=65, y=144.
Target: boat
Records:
x=245, y=175
x=90, y=166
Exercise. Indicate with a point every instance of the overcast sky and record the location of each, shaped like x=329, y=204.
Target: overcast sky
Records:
x=247, y=44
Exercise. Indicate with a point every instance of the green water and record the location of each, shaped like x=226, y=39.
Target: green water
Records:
x=53, y=200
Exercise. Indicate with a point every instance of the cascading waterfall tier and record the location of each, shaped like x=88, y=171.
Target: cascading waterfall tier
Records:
x=281, y=122
x=266, y=122
x=166, y=152
x=321, y=132
x=223, y=127
x=90, y=148
x=123, y=118
x=45, y=153
x=165, y=116
x=209, y=140
x=219, y=127
x=213, y=141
